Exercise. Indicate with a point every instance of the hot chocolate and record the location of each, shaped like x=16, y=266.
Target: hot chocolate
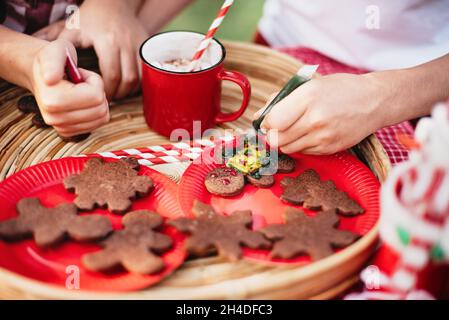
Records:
x=180, y=65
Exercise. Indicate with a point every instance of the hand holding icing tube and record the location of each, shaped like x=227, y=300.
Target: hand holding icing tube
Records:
x=302, y=76
x=324, y=115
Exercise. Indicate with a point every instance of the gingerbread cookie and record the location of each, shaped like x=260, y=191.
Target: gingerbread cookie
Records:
x=260, y=181
x=308, y=190
x=286, y=164
x=315, y=236
x=134, y=247
x=225, y=182
x=225, y=234
x=108, y=184
x=50, y=226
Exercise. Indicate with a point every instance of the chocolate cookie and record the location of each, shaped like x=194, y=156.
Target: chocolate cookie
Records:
x=76, y=139
x=225, y=182
x=108, y=184
x=39, y=122
x=50, y=226
x=286, y=164
x=225, y=234
x=260, y=181
x=133, y=247
x=28, y=104
x=315, y=236
x=308, y=190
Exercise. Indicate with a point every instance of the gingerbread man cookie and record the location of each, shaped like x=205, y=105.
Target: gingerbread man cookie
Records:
x=308, y=190
x=134, y=247
x=108, y=184
x=301, y=234
x=225, y=234
x=49, y=226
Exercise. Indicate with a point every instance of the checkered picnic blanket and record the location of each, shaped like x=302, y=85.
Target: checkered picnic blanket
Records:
x=387, y=136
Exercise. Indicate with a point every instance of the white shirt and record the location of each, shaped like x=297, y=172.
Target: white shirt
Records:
x=370, y=34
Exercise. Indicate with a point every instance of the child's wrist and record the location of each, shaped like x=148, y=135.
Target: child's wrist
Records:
x=31, y=65
x=28, y=58
x=17, y=56
x=388, y=105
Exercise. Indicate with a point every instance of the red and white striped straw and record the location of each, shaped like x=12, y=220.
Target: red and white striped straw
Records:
x=205, y=43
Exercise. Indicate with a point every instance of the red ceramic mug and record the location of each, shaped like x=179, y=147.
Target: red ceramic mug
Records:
x=175, y=99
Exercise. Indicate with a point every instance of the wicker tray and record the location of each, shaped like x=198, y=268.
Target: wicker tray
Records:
x=22, y=145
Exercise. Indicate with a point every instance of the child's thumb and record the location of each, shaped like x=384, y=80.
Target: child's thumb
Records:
x=53, y=60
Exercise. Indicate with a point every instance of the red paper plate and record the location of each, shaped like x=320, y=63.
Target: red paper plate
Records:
x=44, y=181
x=347, y=172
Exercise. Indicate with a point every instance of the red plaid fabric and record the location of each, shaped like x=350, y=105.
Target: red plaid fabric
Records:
x=29, y=16
x=387, y=136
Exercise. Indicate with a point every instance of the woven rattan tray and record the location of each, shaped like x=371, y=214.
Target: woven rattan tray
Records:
x=22, y=145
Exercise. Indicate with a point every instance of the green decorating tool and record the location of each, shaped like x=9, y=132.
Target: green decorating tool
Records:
x=304, y=75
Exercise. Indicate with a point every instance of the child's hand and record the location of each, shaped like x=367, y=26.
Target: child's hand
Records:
x=50, y=32
x=115, y=32
x=326, y=115
x=71, y=109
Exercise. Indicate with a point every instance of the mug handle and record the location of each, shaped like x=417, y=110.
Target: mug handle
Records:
x=243, y=82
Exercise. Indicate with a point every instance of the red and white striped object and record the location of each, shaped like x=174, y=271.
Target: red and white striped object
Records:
x=155, y=155
x=163, y=154
x=414, y=223
x=205, y=43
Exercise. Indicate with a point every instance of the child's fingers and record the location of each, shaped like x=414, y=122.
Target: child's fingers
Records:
x=285, y=113
x=86, y=127
x=52, y=61
x=109, y=60
x=130, y=74
x=299, y=145
x=50, y=32
x=139, y=67
x=299, y=129
x=55, y=30
x=71, y=35
x=76, y=117
x=41, y=34
x=67, y=97
x=93, y=79
x=315, y=151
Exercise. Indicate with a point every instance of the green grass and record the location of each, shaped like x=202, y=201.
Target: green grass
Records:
x=240, y=23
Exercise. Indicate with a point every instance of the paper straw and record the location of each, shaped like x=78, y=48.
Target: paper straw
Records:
x=205, y=43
